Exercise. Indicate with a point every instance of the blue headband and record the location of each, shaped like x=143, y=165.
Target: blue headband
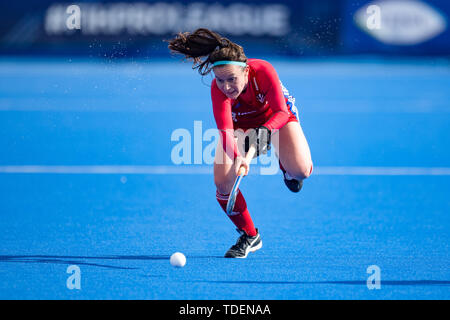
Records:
x=238, y=63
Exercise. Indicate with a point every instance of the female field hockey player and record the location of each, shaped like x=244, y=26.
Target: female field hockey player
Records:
x=248, y=95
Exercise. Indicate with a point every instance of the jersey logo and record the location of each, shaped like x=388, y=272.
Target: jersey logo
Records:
x=260, y=97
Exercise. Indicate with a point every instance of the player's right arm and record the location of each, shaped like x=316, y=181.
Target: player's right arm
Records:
x=222, y=115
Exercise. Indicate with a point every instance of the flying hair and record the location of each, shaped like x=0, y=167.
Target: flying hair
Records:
x=204, y=47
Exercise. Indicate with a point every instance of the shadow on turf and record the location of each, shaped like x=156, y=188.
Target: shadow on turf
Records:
x=357, y=282
x=80, y=260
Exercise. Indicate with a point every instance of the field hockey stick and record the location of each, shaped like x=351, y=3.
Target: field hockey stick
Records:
x=241, y=172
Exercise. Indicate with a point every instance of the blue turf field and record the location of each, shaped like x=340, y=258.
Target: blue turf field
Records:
x=86, y=179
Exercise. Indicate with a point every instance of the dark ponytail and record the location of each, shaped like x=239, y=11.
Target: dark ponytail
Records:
x=204, y=43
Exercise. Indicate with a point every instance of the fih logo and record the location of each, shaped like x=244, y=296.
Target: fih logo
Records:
x=400, y=22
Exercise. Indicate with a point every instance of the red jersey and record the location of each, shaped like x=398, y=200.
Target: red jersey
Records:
x=264, y=102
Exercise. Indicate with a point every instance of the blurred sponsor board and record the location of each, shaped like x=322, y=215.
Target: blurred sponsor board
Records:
x=115, y=28
x=138, y=28
x=397, y=26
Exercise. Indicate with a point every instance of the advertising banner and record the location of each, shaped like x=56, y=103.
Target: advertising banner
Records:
x=119, y=28
x=411, y=27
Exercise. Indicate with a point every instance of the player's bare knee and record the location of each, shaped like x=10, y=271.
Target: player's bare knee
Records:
x=223, y=184
x=308, y=170
x=224, y=189
x=218, y=181
x=303, y=172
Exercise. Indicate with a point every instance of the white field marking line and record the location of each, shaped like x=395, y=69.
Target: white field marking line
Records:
x=195, y=169
x=107, y=169
x=383, y=171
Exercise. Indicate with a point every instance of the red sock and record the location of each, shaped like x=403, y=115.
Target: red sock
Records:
x=240, y=216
